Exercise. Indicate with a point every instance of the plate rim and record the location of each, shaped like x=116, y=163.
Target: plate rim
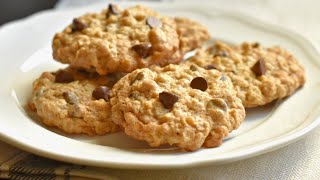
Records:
x=251, y=152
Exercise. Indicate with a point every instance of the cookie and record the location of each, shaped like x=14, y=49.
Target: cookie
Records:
x=184, y=106
x=74, y=101
x=191, y=34
x=259, y=75
x=117, y=40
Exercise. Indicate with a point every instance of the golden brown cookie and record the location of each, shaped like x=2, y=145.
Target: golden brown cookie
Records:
x=74, y=101
x=117, y=40
x=259, y=75
x=191, y=34
x=185, y=106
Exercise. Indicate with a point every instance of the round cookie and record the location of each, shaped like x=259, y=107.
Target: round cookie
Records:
x=74, y=101
x=259, y=75
x=184, y=106
x=116, y=40
x=191, y=34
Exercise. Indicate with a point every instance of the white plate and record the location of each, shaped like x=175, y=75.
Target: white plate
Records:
x=265, y=129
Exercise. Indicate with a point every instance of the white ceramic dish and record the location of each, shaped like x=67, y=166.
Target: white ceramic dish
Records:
x=265, y=129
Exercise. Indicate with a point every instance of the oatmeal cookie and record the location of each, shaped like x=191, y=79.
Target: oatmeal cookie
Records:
x=191, y=34
x=259, y=75
x=117, y=40
x=178, y=105
x=74, y=101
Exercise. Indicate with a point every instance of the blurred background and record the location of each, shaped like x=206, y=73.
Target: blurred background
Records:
x=299, y=15
x=16, y=9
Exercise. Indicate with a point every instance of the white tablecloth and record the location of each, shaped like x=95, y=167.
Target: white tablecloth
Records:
x=300, y=160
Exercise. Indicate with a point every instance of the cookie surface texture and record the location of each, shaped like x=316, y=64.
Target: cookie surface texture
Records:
x=108, y=42
x=65, y=99
x=260, y=75
x=184, y=106
x=191, y=34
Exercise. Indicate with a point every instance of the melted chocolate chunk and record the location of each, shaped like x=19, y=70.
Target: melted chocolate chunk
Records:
x=199, y=83
x=168, y=99
x=259, y=68
x=78, y=25
x=143, y=50
x=64, y=77
x=101, y=92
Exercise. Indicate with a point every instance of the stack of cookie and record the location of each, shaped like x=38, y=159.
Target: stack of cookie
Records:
x=126, y=72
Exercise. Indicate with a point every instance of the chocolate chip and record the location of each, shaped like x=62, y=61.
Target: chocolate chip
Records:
x=221, y=54
x=112, y=10
x=143, y=50
x=78, y=25
x=217, y=103
x=101, y=92
x=153, y=22
x=256, y=45
x=70, y=97
x=199, y=83
x=168, y=99
x=259, y=68
x=211, y=66
x=64, y=77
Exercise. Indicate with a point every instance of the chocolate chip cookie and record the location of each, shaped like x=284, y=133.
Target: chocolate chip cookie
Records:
x=191, y=34
x=184, y=106
x=74, y=101
x=117, y=40
x=259, y=75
